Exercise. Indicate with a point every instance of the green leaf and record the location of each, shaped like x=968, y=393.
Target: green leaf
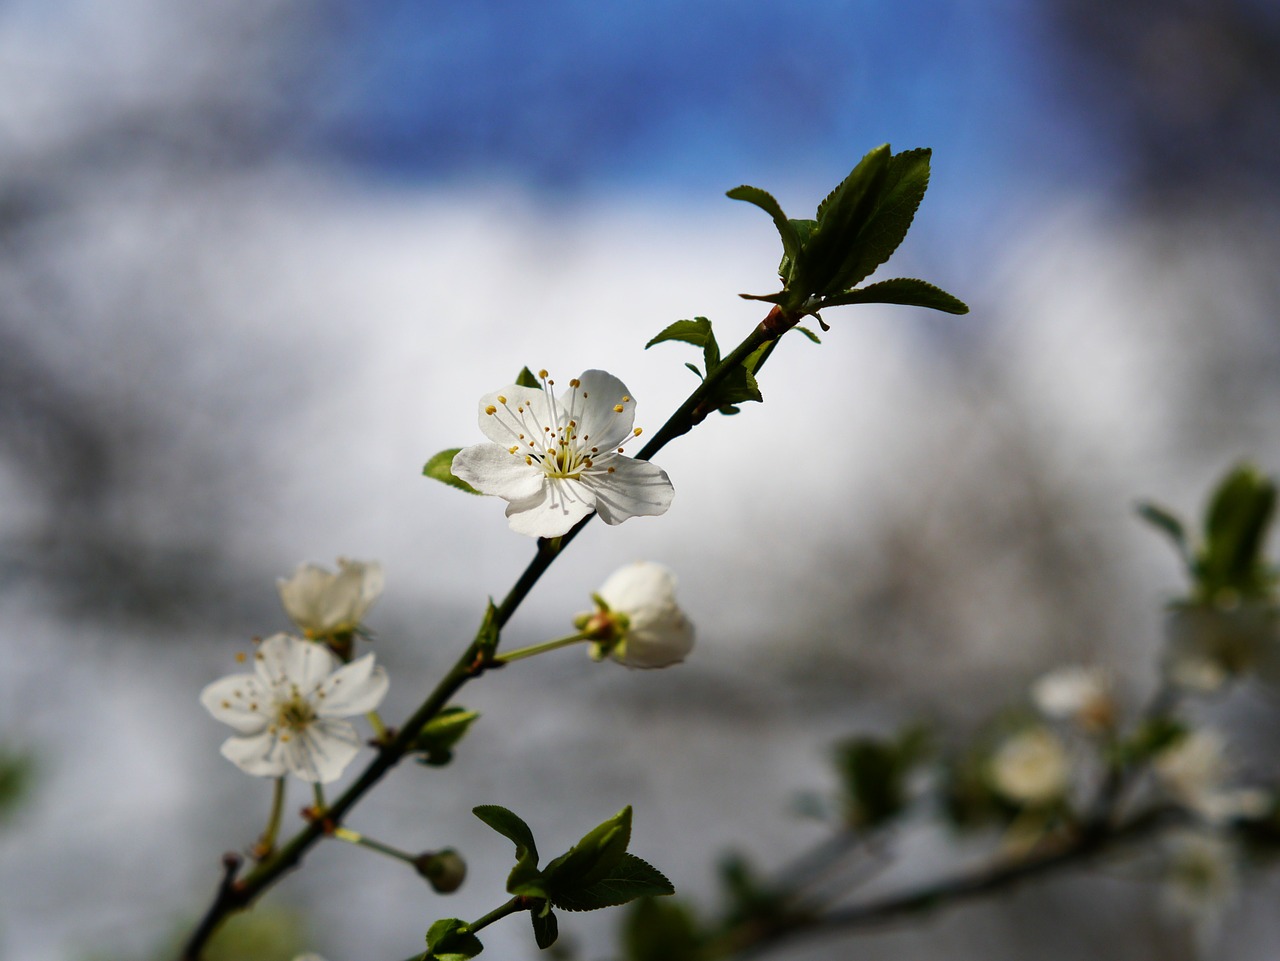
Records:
x=898, y=196
x=786, y=228
x=1166, y=521
x=451, y=940
x=1235, y=529
x=545, y=928
x=628, y=878
x=526, y=379
x=435, y=742
x=439, y=468
x=694, y=368
x=487, y=636
x=514, y=829
x=900, y=290
x=593, y=856
x=842, y=217
x=694, y=332
x=697, y=332
x=808, y=333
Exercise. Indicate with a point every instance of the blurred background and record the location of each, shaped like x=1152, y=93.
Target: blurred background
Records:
x=259, y=259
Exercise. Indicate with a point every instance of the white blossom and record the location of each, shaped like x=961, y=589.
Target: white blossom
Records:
x=1082, y=695
x=287, y=714
x=1197, y=770
x=1031, y=767
x=324, y=604
x=556, y=460
x=638, y=622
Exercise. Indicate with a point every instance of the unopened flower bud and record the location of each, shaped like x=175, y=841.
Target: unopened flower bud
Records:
x=637, y=621
x=444, y=870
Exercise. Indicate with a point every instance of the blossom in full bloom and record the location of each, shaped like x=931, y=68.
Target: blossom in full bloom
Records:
x=1031, y=767
x=1081, y=695
x=1197, y=770
x=555, y=460
x=287, y=714
x=324, y=604
x=637, y=621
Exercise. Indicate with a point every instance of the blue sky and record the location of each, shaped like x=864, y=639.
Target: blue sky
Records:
x=573, y=95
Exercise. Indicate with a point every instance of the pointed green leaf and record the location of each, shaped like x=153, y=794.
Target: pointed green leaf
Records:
x=892, y=210
x=694, y=368
x=786, y=228
x=526, y=379
x=545, y=928
x=451, y=940
x=900, y=290
x=1235, y=529
x=628, y=878
x=697, y=332
x=514, y=829
x=440, y=468
x=488, y=635
x=435, y=742
x=1165, y=520
x=842, y=217
x=808, y=333
x=593, y=856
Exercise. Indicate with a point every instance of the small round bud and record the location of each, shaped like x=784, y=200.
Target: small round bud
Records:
x=444, y=870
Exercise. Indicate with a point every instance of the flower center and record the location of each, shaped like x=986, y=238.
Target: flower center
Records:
x=296, y=713
x=549, y=438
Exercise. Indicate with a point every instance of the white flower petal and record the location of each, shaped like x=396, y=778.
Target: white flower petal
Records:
x=658, y=645
x=635, y=488
x=556, y=507
x=639, y=585
x=301, y=594
x=516, y=410
x=491, y=469
x=357, y=688
x=286, y=662
x=240, y=701
x=260, y=755
x=323, y=604
x=324, y=750
x=594, y=407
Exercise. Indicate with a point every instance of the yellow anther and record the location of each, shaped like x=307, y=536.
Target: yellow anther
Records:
x=575, y=383
x=543, y=374
x=284, y=737
x=226, y=705
x=617, y=408
x=240, y=657
x=528, y=460
x=636, y=432
x=513, y=449
x=501, y=399
x=491, y=409
x=611, y=470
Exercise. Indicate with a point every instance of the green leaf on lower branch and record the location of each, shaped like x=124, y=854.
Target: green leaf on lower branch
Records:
x=594, y=856
x=435, y=742
x=440, y=468
x=628, y=879
x=451, y=940
x=901, y=290
x=545, y=928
